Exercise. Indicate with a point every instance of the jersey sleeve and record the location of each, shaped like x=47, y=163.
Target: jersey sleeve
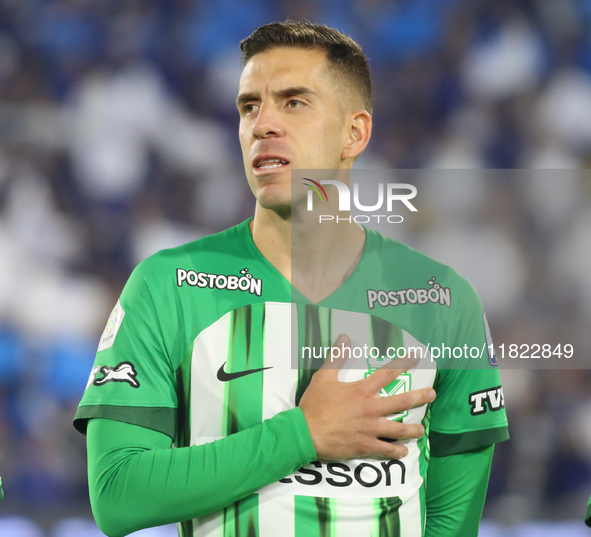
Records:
x=133, y=379
x=455, y=493
x=188, y=482
x=588, y=517
x=469, y=412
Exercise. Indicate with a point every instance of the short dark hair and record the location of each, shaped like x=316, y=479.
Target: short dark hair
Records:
x=344, y=55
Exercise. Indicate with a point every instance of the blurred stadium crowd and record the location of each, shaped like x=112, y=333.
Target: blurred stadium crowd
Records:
x=118, y=137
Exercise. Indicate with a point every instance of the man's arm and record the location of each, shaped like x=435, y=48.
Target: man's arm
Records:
x=189, y=482
x=136, y=480
x=456, y=490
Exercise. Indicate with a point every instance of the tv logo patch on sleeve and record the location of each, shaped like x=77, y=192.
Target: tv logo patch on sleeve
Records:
x=493, y=397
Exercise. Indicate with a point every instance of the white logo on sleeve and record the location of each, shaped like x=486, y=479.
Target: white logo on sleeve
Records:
x=124, y=372
x=113, y=324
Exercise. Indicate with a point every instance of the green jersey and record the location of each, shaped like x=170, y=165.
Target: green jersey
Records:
x=588, y=518
x=209, y=339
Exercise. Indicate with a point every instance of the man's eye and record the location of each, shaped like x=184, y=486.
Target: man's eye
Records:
x=249, y=108
x=294, y=103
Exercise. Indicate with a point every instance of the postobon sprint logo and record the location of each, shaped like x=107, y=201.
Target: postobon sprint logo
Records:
x=245, y=282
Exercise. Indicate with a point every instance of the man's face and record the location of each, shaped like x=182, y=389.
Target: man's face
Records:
x=289, y=119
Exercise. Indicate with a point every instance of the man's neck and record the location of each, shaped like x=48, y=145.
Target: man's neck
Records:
x=315, y=258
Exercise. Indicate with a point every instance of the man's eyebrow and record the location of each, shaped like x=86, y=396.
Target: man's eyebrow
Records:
x=284, y=93
x=245, y=97
x=292, y=92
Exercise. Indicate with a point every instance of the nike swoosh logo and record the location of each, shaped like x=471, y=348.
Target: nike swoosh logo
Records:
x=225, y=377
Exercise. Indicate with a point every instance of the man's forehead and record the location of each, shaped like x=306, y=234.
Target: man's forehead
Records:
x=284, y=67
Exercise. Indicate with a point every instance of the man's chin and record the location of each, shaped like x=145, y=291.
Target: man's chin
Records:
x=278, y=196
x=281, y=204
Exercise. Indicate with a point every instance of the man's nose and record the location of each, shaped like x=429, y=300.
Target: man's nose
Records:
x=268, y=122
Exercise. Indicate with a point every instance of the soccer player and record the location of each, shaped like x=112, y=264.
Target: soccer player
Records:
x=197, y=351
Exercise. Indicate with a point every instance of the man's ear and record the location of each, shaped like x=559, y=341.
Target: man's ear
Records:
x=357, y=135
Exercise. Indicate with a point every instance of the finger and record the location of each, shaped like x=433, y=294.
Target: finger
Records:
x=405, y=401
x=338, y=355
x=395, y=430
x=390, y=372
x=387, y=450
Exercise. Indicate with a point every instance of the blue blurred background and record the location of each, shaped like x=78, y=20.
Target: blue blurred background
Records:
x=118, y=137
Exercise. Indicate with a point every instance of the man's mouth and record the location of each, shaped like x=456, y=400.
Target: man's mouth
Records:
x=265, y=164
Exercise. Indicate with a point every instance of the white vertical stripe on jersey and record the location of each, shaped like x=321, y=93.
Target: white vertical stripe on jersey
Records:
x=276, y=516
x=354, y=518
x=410, y=517
x=279, y=383
x=210, y=351
x=423, y=375
x=277, y=513
x=208, y=526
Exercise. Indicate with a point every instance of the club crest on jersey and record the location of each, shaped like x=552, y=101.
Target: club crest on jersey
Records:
x=229, y=282
x=400, y=385
x=492, y=399
x=123, y=372
x=435, y=294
